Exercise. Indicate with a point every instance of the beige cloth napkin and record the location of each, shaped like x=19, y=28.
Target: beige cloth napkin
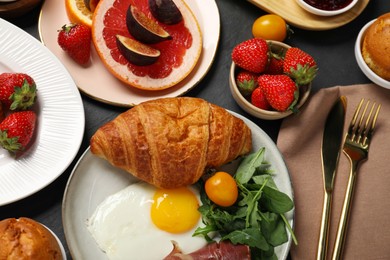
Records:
x=300, y=140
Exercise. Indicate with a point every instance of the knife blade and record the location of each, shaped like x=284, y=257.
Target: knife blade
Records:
x=330, y=153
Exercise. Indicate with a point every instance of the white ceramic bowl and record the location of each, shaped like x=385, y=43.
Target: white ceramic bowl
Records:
x=59, y=243
x=255, y=111
x=322, y=12
x=362, y=64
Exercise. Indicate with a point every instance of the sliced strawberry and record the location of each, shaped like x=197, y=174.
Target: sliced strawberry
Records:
x=16, y=130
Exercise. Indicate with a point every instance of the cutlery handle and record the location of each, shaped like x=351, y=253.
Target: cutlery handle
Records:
x=323, y=239
x=344, y=217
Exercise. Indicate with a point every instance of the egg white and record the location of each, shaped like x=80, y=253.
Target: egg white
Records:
x=122, y=227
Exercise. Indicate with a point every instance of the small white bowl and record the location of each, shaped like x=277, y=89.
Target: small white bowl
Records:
x=59, y=243
x=362, y=64
x=255, y=111
x=322, y=12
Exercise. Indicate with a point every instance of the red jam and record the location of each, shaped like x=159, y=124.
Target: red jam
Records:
x=328, y=5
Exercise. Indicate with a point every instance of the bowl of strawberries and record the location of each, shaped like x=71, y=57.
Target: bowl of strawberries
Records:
x=269, y=79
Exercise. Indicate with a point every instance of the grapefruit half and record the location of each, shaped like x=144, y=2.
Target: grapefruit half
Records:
x=178, y=56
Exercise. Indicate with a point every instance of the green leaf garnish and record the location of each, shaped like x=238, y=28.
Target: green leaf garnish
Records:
x=257, y=218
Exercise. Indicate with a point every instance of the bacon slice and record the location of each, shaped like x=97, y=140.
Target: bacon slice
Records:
x=214, y=251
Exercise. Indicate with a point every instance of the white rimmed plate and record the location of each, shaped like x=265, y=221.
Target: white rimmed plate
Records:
x=95, y=80
x=60, y=121
x=93, y=179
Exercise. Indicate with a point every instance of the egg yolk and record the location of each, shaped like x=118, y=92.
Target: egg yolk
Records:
x=175, y=210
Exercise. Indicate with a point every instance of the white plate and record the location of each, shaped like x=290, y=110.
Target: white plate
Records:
x=60, y=125
x=93, y=179
x=97, y=82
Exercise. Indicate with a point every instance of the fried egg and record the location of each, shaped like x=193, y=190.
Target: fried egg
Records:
x=140, y=221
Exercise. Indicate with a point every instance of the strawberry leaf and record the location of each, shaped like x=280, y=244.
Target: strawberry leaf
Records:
x=23, y=97
x=246, y=87
x=294, y=105
x=303, y=75
x=9, y=143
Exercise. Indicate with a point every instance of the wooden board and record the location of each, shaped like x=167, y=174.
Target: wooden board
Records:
x=17, y=8
x=298, y=17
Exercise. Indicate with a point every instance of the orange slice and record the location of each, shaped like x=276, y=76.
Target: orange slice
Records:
x=78, y=13
x=178, y=57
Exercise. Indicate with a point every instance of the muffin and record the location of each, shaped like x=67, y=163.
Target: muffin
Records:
x=25, y=238
x=376, y=46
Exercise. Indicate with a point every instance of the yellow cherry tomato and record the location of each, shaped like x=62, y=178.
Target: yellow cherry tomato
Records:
x=270, y=27
x=221, y=188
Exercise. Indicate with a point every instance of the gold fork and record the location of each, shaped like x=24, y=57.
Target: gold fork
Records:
x=356, y=144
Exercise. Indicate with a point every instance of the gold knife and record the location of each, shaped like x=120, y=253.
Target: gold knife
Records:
x=331, y=149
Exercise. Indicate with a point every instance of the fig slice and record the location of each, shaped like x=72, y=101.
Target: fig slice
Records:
x=136, y=52
x=91, y=4
x=144, y=29
x=165, y=11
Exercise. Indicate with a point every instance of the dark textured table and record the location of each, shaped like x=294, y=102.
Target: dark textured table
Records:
x=333, y=50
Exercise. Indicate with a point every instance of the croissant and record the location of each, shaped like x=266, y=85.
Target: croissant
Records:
x=170, y=142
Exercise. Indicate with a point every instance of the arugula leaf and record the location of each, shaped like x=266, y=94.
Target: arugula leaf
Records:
x=279, y=235
x=249, y=236
x=257, y=254
x=276, y=201
x=241, y=212
x=274, y=229
x=252, y=216
x=248, y=166
x=205, y=231
x=264, y=168
x=260, y=179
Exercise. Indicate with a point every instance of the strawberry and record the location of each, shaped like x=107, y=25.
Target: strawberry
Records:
x=246, y=82
x=275, y=66
x=300, y=66
x=258, y=99
x=251, y=55
x=280, y=90
x=16, y=130
x=75, y=39
x=17, y=91
x=2, y=114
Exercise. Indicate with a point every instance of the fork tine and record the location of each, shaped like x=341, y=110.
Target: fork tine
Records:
x=370, y=128
x=352, y=126
x=360, y=128
x=375, y=117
